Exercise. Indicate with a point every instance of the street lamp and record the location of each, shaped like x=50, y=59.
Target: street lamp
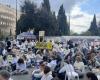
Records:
x=69, y=22
x=16, y=17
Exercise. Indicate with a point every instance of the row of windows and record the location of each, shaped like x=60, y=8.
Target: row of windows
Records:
x=7, y=17
x=7, y=10
x=5, y=23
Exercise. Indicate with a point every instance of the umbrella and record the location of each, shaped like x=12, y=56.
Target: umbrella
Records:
x=26, y=35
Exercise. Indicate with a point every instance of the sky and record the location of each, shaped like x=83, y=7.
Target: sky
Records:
x=81, y=11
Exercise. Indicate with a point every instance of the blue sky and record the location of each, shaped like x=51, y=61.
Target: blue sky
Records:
x=91, y=6
x=82, y=11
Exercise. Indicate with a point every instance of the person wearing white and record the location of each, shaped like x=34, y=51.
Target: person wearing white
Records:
x=79, y=64
x=47, y=74
x=38, y=73
x=15, y=59
x=5, y=62
x=23, y=47
x=31, y=55
x=29, y=45
x=4, y=52
x=38, y=57
x=52, y=64
x=10, y=79
x=21, y=67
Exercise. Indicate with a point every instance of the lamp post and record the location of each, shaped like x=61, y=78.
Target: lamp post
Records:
x=69, y=22
x=16, y=18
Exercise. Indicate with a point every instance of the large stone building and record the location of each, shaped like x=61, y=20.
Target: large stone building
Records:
x=7, y=20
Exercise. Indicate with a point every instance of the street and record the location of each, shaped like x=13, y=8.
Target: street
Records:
x=23, y=77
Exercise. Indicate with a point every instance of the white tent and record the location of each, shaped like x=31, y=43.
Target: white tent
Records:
x=26, y=35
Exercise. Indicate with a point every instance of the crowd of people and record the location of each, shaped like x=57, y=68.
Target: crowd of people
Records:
x=65, y=61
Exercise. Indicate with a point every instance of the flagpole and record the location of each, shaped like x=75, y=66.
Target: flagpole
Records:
x=69, y=22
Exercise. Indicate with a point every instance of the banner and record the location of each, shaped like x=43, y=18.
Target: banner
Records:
x=49, y=45
x=43, y=45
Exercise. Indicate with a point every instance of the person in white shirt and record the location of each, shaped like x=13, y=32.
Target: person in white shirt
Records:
x=47, y=74
x=4, y=52
x=27, y=60
x=5, y=63
x=29, y=45
x=14, y=62
x=15, y=59
x=23, y=47
x=33, y=43
x=38, y=73
x=79, y=65
x=20, y=68
x=52, y=64
x=38, y=57
x=30, y=54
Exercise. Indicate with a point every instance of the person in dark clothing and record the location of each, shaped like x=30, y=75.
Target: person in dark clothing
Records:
x=90, y=76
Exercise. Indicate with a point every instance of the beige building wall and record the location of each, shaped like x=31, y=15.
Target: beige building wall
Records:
x=7, y=19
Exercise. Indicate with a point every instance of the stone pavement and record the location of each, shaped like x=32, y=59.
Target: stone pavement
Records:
x=23, y=77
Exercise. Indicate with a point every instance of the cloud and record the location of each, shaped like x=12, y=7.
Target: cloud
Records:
x=55, y=4
x=98, y=17
x=78, y=16
x=80, y=21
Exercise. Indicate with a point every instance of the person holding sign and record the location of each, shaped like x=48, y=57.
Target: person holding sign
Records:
x=49, y=45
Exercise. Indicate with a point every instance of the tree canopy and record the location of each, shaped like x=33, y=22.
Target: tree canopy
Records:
x=62, y=22
x=42, y=19
x=93, y=27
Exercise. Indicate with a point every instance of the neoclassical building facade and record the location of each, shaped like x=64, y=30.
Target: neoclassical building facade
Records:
x=7, y=20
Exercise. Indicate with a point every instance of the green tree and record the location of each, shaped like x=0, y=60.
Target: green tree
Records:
x=73, y=33
x=99, y=31
x=93, y=27
x=27, y=19
x=38, y=18
x=46, y=5
x=99, y=28
x=46, y=20
x=87, y=33
x=62, y=22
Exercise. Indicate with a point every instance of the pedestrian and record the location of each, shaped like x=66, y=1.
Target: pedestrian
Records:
x=47, y=74
x=5, y=75
x=90, y=76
